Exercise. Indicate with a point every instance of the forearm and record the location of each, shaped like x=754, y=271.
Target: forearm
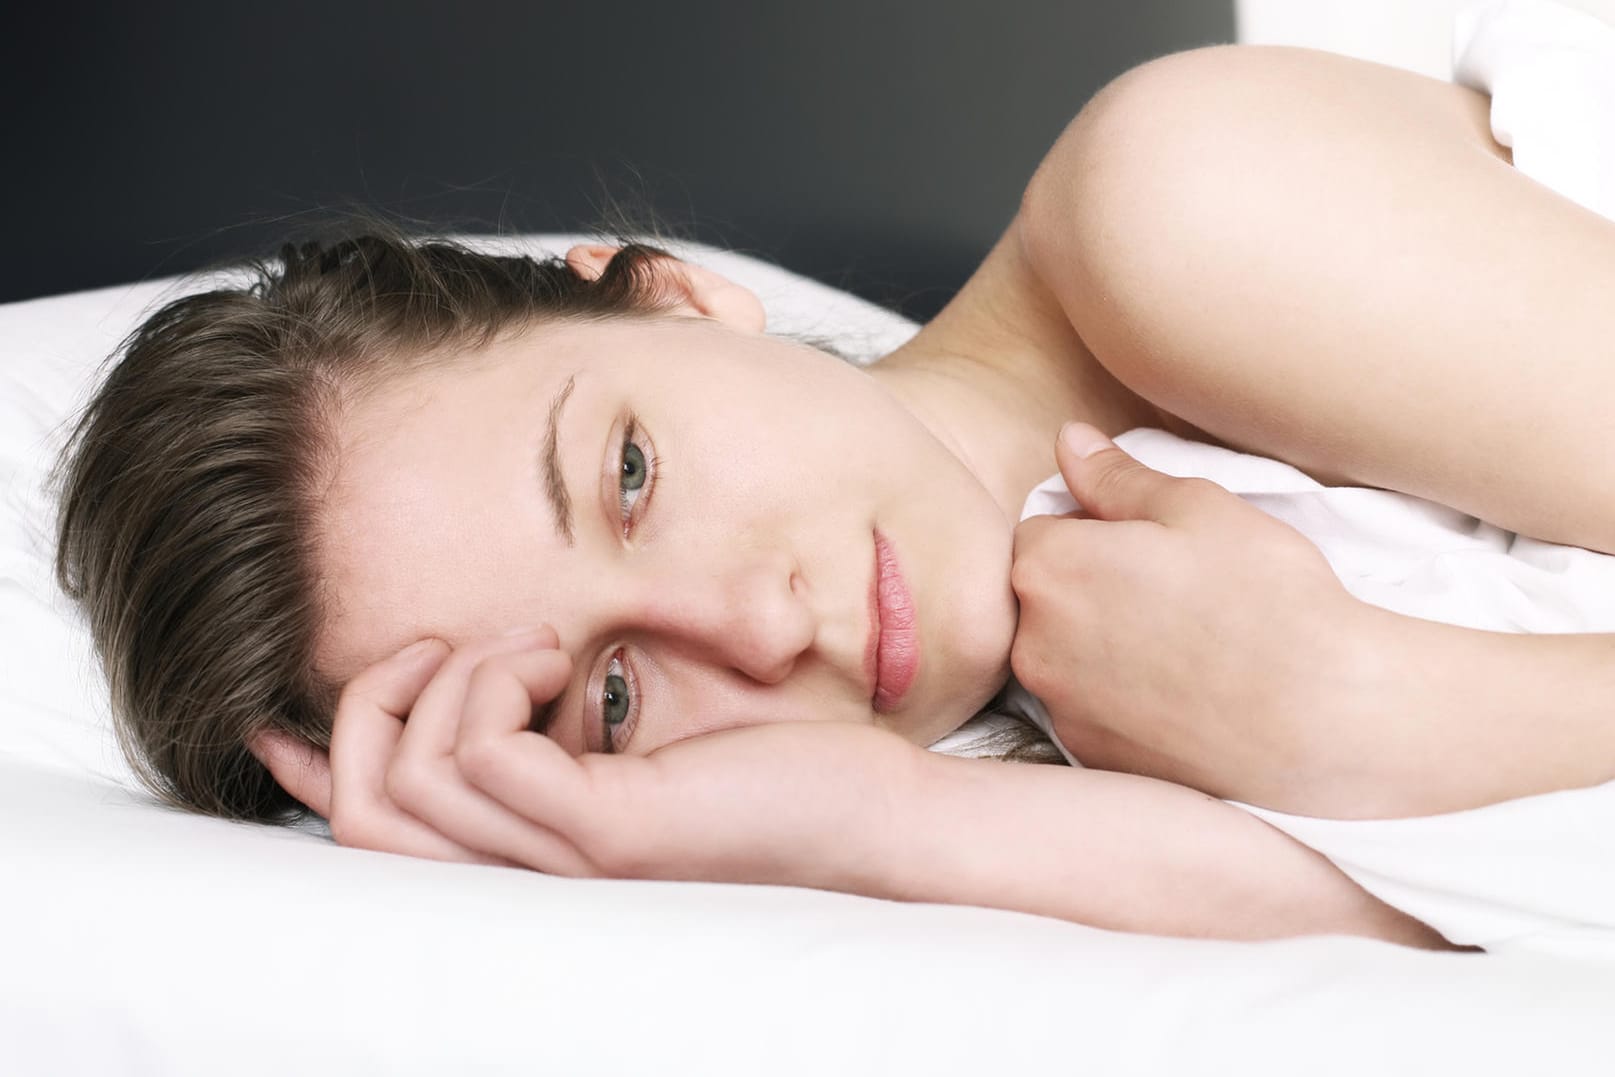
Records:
x=1124, y=852
x=1450, y=718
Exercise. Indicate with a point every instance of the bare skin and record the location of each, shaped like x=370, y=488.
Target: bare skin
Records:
x=971, y=405
x=1350, y=278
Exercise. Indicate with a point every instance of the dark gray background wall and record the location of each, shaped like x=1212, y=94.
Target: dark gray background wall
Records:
x=878, y=146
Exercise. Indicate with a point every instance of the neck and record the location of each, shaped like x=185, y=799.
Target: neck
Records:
x=1000, y=369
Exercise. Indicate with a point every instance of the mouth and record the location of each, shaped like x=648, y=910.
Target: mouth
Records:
x=892, y=658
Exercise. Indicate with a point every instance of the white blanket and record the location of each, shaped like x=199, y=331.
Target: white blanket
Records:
x=1550, y=71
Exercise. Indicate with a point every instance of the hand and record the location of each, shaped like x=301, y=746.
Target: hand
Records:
x=1182, y=633
x=431, y=755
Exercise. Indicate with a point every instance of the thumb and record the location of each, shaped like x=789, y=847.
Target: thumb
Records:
x=1107, y=483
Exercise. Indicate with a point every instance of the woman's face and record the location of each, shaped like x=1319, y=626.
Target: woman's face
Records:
x=695, y=507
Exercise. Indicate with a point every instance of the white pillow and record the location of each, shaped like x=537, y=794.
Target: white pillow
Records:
x=142, y=940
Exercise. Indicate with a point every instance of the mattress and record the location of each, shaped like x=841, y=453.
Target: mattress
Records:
x=141, y=940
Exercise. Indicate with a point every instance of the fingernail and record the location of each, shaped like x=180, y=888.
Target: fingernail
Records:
x=527, y=630
x=1084, y=440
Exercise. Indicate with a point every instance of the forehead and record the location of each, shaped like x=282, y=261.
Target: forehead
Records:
x=430, y=487
x=435, y=491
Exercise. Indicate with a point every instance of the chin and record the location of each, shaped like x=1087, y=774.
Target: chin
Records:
x=990, y=662
x=972, y=613
x=978, y=652
x=984, y=615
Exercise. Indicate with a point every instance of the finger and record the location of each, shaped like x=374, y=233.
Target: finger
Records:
x=434, y=713
x=527, y=772
x=389, y=686
x=1035, y=529
x=362, y=815
x=1110, y=485
x=392, y=685
x=505, y=691
x=1075, y=540
x=301, y=769
x=364, y=735
x=426, y=781
x=1106, y=482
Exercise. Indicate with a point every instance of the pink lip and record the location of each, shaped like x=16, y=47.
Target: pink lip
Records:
x=893, y=655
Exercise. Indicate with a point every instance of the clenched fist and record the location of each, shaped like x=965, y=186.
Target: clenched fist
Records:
x=1174, y=630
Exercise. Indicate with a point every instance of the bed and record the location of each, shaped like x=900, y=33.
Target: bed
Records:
x=141, y=940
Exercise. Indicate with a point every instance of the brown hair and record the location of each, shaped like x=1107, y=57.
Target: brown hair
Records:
x=189, y=481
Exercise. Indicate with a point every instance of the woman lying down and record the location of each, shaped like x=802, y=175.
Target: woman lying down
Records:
x=569, y=565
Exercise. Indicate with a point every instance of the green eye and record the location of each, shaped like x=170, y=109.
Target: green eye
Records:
x=635, y=483
x=633, y=467
x=614, y=701
x=619, y=707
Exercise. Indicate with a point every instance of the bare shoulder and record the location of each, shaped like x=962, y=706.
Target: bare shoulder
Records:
x=1331, y=262
x=1252, y=83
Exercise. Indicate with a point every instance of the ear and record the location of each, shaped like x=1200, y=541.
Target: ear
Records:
x=700, y=292
x=301, y=769
x=589, y=260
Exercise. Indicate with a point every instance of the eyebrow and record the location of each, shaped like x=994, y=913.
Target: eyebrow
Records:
x=561, y=505
x=554, y=483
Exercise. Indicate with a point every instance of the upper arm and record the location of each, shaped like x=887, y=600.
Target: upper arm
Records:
x=1329, y=262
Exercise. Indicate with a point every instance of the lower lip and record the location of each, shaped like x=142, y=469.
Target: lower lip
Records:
x=897, y=657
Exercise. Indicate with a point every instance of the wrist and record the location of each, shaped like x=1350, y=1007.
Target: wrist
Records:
x=1357, y=713
x=868, y=848
x=927, y=845
x=1443, y=718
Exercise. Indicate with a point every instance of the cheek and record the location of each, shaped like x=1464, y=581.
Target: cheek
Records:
x=690, y=705
x=976, y=606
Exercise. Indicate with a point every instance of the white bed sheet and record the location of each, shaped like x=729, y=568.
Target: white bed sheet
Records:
x=1535, y=873
x=141, y=940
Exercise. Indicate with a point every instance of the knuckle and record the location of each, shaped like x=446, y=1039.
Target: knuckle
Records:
x=1112, y=480
x=1200, y=491
x=1026, y=530
x=1025, y=663
x=477, y=758
x=475, y=673
x=1030, y=535
x=407, y=782
x=488, y=666
x=466, y=660
x=1023, y=576
x=1038, y=560
x=476, y=666
x=348, y=831
x=621, y=858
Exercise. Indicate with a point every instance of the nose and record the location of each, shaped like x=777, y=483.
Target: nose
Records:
x=747, y=613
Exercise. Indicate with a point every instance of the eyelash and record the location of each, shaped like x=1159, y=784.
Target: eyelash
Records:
x=648, y=453
x=627, y=507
